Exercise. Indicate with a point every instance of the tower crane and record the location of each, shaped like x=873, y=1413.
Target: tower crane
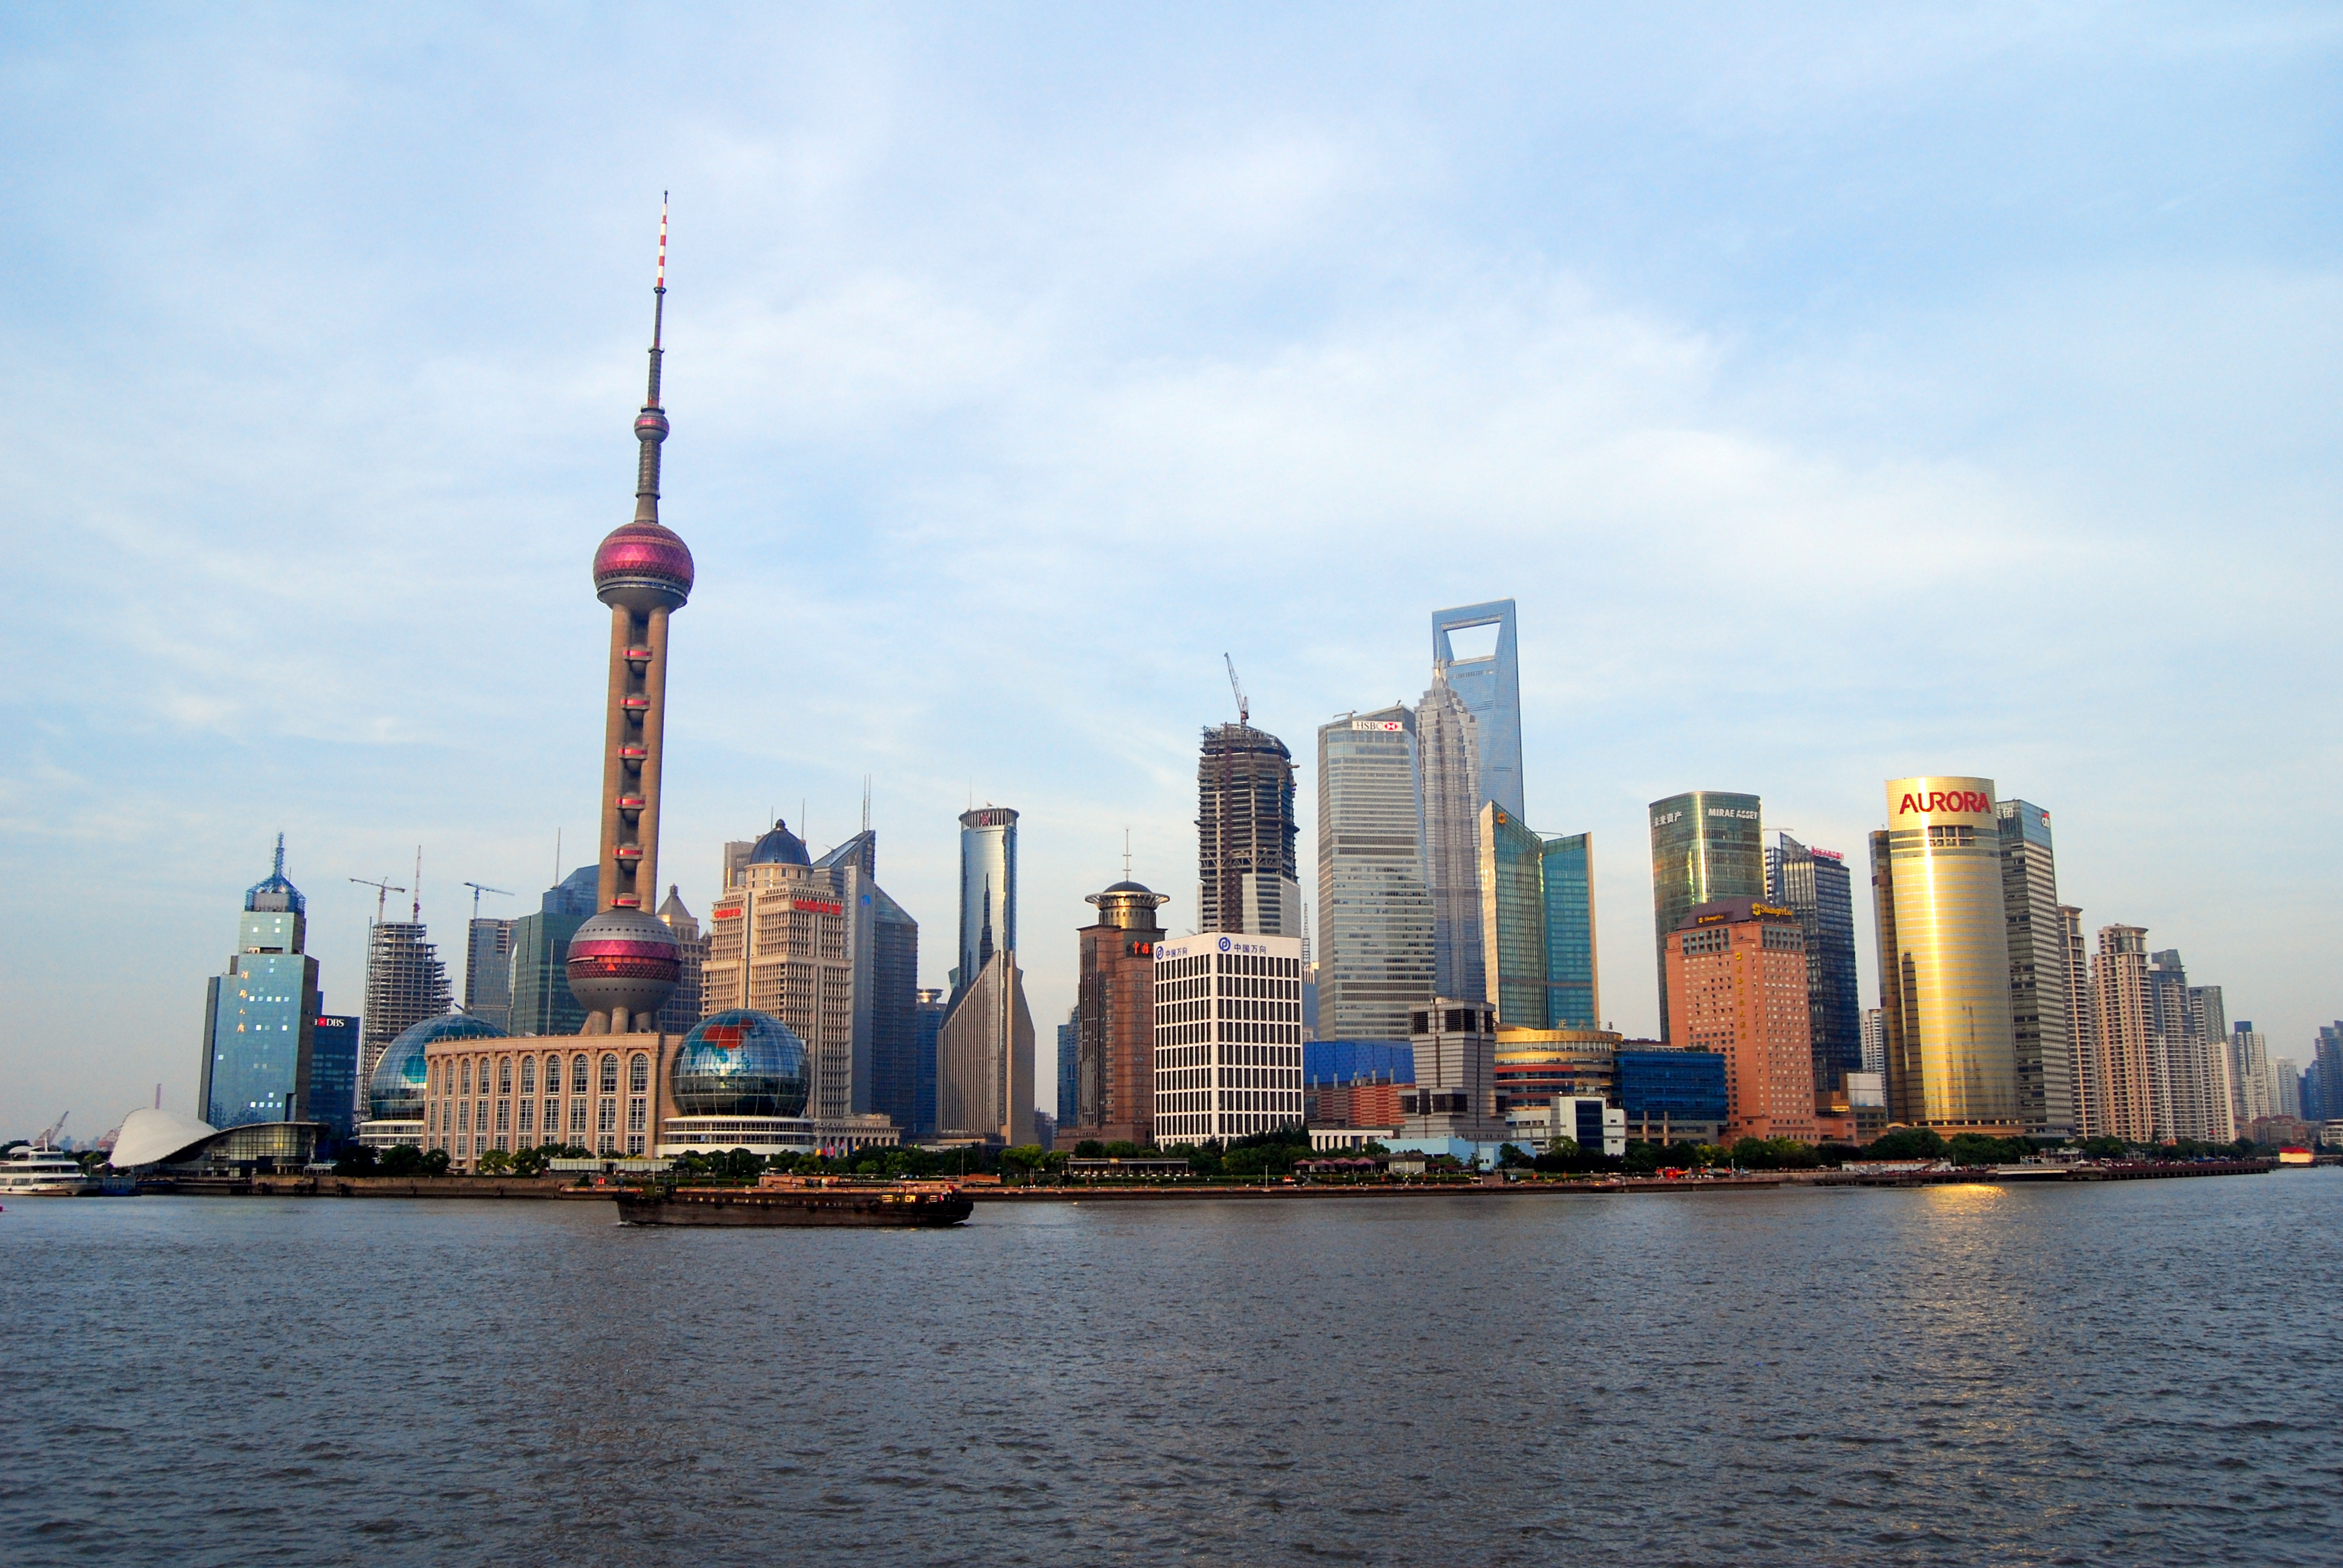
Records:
x=48, y=1140
x=1244, y=710
x=477, y=890
x=382, y=894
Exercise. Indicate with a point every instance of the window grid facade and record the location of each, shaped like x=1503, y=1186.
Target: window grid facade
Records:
x=1228, y=1037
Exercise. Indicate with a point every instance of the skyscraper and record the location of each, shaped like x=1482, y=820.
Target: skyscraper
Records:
x=1228, y=1045
x=406, y=983
x=2085, y=1075
x=1069, y=1075
x=1813, y=884
x=1944, y=958
x=1738, y=981
x=778, y=943
x=2252, y=1095
x=2122, y=1015
x=1245, y=830
x=1114, y=1014
x=685, y=1004
x=488, y=972
x=927, y=1026
x=2036, y=934
x=988, y=889
x=1875, y=1042
x=260, y=1017
x=984, y=1049
x=2188, y=1071
x=623, y=963
x=1490, y=683
x=1537, y=925
x=1449, y=766
x=1706, y=844
x=541, y=1001
x=1375, y=910
x=332, y=1096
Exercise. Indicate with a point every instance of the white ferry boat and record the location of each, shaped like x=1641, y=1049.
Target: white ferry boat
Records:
x=37, y=1171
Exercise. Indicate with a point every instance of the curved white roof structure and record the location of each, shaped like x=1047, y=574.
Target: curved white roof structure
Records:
x=149, y=1136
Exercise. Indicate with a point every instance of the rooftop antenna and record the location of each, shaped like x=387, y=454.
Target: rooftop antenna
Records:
x=1244, y=710
x=556, y=857
x=382, y=893
x=477, y=890
x=279, y=871
x=866, y=802
x=1126, y=854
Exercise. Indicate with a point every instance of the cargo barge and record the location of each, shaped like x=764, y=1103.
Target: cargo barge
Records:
x=799, y=1200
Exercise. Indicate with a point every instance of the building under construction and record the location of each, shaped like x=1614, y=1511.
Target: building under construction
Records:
x=406, y=983
x=1246, y=831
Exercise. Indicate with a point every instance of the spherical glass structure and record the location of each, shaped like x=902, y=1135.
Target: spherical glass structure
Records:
x=395, y=1092
x=740, y=1063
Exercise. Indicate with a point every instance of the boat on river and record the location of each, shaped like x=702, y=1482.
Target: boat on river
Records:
x=37, y=1171
x=797, y=1200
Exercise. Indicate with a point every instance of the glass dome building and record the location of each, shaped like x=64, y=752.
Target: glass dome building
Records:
x=740, y=1062
x=395, y=1092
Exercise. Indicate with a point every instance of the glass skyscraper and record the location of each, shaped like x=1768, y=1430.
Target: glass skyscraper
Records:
x=260, y=1017
x=333, y=1093
x=1448, y=770
x=1705, y=845
x=1491, y=686
x=2038, y=972
x=1537, y=924
x=1944, y=958
x=541, y=1002
x=988, y=890
x=1374, y=911
x=1814, y=885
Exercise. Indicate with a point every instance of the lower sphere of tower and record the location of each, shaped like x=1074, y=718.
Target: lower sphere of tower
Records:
x=645, y=566
x=623, y=960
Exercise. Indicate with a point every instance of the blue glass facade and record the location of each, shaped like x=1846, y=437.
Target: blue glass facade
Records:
x=1815, y=884
x=1573, y=999
x=926, y=1026
x=333, y=1093
x=1069, y=1078
x=740, y=1062
x=1491, y=687
x=260, y=1017
x=1340, y=1062
x=1671, y=1085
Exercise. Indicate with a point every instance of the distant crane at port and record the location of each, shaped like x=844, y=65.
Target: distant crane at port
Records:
x=1245, y=709
x=382, y=894
x=477, y=890
x=48, y=1139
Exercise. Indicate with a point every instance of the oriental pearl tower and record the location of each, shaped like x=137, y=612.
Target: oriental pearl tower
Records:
x=623, y=963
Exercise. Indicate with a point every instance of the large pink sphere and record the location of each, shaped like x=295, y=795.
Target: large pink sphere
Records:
x=643, y=565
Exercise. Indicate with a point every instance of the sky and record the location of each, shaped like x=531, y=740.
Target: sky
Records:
x=1842, y=392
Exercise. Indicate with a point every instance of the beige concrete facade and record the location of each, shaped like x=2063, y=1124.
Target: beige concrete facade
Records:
x=777, y=943
x=605, y=1093
x=2119, y=1008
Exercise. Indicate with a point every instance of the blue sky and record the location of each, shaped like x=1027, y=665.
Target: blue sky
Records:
x=1842, y=392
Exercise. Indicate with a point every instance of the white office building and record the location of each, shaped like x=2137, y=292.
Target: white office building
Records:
x=1228, y=1036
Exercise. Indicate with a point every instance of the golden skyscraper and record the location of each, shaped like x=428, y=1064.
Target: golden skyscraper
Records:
x=1944, y=958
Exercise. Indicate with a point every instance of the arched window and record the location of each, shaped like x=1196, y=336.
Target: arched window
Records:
x=529, y=1075
x=503, y=1075
x=639, y=1074
x=553, y=1075
x=577, y=1075
x=467, y=1075
x=609, y=1075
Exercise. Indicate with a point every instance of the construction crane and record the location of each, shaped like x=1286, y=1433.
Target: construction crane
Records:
x=1245, y=709
x=48, y=1140
x=382, y=894
x=477, y=890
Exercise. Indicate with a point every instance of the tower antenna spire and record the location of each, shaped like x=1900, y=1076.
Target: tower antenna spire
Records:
x=650, y=425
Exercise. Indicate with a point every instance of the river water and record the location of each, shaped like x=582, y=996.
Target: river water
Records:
x=2137, y=1372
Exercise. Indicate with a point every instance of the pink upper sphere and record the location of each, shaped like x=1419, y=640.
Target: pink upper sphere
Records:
x=643, y=555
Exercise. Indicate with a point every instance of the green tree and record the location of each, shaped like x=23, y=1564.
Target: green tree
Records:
x=1090, y=1149
x=2104, y=1147
x=1975, y=1149
x=355, y=1160
x=495, y=1162
x=435, y=1164
x=1906, y=1143
x=402, y=1160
